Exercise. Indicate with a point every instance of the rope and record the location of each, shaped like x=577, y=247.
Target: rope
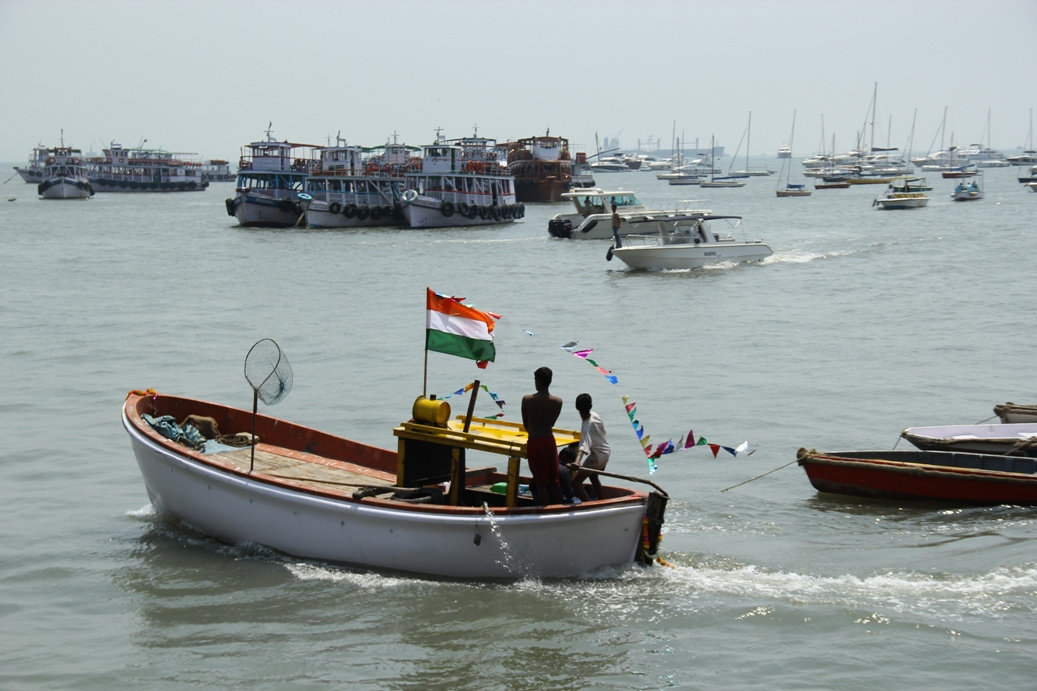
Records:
x=759, y=476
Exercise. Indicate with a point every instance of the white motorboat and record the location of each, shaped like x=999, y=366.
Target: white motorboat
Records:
x=349, y=192
x=903, y=193
x=462, y=182
x=592, y=218
x=967, y=191
x=1017, y=439
x=418, y=509
x=271, y=177
x=685, y=242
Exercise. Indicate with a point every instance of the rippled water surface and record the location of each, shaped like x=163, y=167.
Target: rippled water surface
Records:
x=862, y=323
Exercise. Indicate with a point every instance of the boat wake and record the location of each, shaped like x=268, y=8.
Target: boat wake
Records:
x=949, y=596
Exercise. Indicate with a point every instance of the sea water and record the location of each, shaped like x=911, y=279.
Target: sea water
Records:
x=863, y=322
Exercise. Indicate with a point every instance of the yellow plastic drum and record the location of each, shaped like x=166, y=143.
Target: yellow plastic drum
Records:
x=431, y=412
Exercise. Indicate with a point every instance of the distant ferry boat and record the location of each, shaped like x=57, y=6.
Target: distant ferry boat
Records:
x=271, y=176
x=144, y=170
x=463, y=182
x=33, y=170
x=542, y=168
x=784, y=151
x=349, y=192
x=64, y=176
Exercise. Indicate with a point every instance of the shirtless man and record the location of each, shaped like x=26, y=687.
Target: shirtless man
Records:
x=540, y=411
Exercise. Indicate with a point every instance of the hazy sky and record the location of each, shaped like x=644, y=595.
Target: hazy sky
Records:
x=207, y=76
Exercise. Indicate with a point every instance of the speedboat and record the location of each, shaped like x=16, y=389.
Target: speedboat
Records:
x=685, y=242
x=592, y=218
x=967, y=191
x=903, y=193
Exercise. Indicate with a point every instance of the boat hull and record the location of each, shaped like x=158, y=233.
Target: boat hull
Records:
x=1017, y=439
x=931, y=475
x=902, y=202
x=1014, y=412
x=324, y=215
x=263, y=211
x=328, y=525
x=690, y=256
x=428, y=212
x=65, y=188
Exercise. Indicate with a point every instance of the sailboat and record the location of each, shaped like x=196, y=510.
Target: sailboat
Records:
x=748, y=170
x=1028, y=157
x=790, y=189
x=714, y=181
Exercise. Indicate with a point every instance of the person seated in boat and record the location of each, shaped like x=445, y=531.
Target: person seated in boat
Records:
x=566, y=457
x=593, y=449
x=540, y=411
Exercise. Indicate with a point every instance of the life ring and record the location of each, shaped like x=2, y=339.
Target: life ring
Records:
x=447, y=209
x=335, y=207
x=478, y=166
x=108, y=160
x=50, y=159
x=470, y=167
x=350, y=211
x=302, y=195
x=409, y=196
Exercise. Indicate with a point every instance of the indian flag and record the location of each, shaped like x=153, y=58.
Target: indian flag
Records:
x=455, y=329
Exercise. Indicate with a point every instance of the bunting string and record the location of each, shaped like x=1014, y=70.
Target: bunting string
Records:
x=493, y=394
x=667, y=447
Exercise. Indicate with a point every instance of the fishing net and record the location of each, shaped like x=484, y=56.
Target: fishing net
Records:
x=268, y=371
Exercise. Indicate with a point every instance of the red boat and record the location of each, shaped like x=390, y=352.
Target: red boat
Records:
x=965, y=478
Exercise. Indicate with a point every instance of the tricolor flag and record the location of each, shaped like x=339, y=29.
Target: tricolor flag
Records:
x=455, y=329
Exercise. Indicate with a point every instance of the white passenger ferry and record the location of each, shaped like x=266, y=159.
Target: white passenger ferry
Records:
x=462, y=182
x=271, y=177
x=349, y=191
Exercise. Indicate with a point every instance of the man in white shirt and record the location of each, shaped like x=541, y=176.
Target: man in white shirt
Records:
x=594, y=449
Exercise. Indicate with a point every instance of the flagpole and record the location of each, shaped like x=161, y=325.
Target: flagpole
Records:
x=424, y=378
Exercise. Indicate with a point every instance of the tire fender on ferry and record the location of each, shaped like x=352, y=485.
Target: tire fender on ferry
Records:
x=335, y=207
x=363, y=212
x=350, y=211
x=462, y=209
x=447, y=209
